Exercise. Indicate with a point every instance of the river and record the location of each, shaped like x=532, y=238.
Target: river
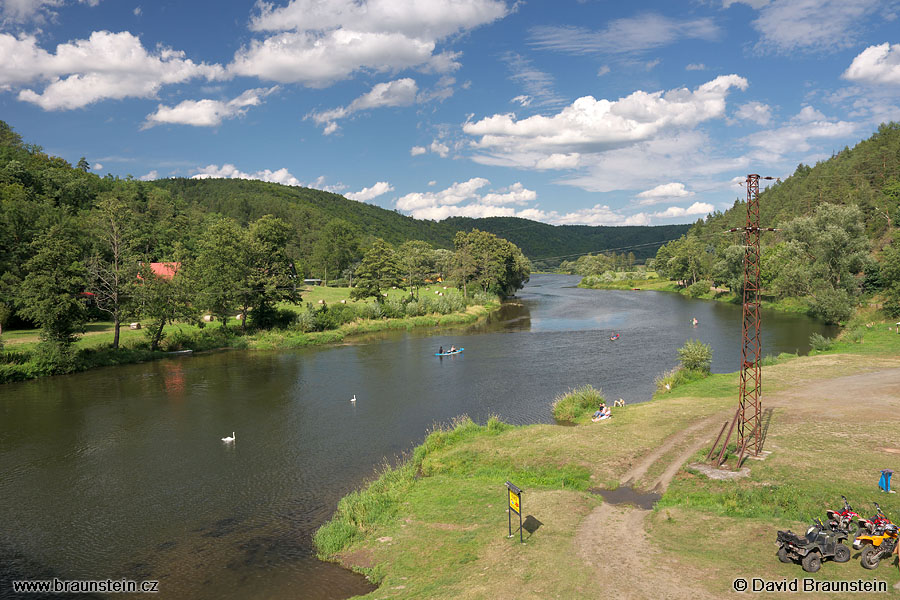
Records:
x=120, y=472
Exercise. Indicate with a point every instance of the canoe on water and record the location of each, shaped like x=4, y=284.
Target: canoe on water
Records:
x=457, y=351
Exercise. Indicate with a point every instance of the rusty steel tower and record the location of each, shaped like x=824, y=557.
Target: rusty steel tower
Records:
x=749, y=410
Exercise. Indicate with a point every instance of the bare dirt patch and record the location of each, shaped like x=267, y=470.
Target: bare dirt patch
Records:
x=363, y=558
x=639, y=470
x=615, y=564
x=714, y=473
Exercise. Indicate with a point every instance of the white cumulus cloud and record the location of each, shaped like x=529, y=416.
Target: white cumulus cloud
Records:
x=663, y=193
x=105, y=66
x=316, y=43
x=439, y=148
x=697, y=208
x=229, y=171
x=151, y=176
x=591, y=125
x=207, y=113
x=369, y=193
x=876, y=65
x=754, y=111
x=417, y=150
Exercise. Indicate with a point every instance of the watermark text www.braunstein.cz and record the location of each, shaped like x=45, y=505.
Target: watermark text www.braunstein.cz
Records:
x=808, y=585
x=85, y=586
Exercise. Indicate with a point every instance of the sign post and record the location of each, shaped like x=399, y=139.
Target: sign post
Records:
x=515, y=505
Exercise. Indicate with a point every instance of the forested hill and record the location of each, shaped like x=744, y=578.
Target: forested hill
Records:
x=867, y=175
x=310, y=210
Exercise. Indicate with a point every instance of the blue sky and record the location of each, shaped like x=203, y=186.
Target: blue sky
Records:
x=591, y=112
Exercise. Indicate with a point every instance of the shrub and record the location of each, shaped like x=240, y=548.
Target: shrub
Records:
x=268, y=317
x=820, y=343
x=698, y=289
x=568, y=407
x=832, y=306
x=695, y=356
x=53, y=358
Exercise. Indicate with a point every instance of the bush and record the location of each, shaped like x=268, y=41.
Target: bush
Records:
x=53, y=358
x=832, y=306
x=695, y=356
x=698, y=289
x=568, y=407
x=268, y=317
x=820, y=343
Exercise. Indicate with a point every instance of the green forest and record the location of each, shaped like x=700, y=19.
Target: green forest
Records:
x=76, y=248
x=309, y=210
x=836, y=243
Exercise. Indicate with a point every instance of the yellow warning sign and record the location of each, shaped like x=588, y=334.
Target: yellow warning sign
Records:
x=514, y=501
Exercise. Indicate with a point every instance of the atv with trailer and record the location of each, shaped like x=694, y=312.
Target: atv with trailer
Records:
x=819, y=543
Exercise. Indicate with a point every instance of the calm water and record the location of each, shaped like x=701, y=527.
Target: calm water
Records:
x=120, y=472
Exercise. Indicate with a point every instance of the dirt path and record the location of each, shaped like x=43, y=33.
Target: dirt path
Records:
x=613, y=539
x=639, y=470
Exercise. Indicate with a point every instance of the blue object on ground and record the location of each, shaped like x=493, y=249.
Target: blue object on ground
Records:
x=885, y=482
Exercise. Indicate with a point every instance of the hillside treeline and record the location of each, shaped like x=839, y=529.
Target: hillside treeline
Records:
x=76, y=247
x=309, y=210
x=837, y=237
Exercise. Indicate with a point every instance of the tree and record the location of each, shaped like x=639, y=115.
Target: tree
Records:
x=495, y=264
x=729, y=269
x=336, y=248
x=222, y=270
x=417, y=260
x=164, y=300
x=443, y=262
x=113, y=268
x=379, y=270
x=827, y=250
x=52, y=293
x=272, y=275
x=464, y=267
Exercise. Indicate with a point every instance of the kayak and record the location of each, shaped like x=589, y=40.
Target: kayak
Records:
x=613, y=338
x=449, y=353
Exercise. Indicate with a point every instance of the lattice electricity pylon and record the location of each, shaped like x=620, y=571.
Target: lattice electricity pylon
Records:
x=750, y=406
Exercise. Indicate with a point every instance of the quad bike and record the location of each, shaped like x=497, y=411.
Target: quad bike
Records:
x=820, y=542
x=845, y=519
x=879, y=541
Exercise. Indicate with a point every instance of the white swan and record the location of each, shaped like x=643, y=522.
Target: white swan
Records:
x=353, y=399
x=227, y=439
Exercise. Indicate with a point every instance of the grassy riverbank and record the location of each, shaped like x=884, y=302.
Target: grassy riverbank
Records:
x=648, y=280
x=433, y=527
x=23, y=359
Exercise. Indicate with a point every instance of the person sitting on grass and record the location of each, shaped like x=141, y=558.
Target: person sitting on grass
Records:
x=603, y=412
